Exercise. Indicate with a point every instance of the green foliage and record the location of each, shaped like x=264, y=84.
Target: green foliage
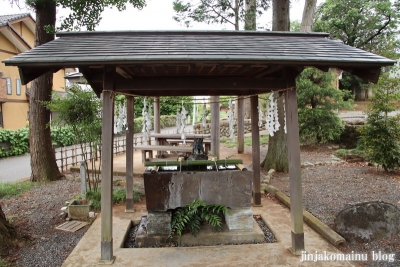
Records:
x=318, y=101
x=215, y=11
x=295, y=26
x=343, y=153
x=380, y=136
x=247, y=141
x=168, y=105
x=352, y=83
x=190, y=217
x=119, y=195
x=17, y=142
x=87, y=13
x=14, y=189
x=94, y=197
x=62, y=136
x=80, y=110
x=369, y=25
x=363, y=24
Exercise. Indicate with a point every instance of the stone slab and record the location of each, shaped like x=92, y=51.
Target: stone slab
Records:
x=206, y=237
x=171, y=190
x=158, y=223
x=239, y=219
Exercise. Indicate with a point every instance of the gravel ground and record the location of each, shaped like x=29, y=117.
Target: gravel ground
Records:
x=328, y=189
x=35, y=214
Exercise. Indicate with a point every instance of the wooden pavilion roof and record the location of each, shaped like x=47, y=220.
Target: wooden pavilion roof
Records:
x=156, y=63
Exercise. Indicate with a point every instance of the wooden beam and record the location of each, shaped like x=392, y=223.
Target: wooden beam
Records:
x=323, y=68
x=240, y=124
x=191, y=69
x=123, y=73
x=371, y=75
x=156, y=116
x=107, y=166
x=89, y=76
x=270, y=70
x=191, y=92
x=215, y=126
x=198, y=83
x=255, y=137
x=296, y=198
x=29, y=74
x=129, y=155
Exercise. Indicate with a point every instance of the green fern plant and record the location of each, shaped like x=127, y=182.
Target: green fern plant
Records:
x=190, y=217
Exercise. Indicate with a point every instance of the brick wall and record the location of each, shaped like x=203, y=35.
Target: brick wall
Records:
x=3, y=88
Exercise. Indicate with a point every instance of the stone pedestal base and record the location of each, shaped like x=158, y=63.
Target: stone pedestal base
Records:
x=158, y=223
x=239, y=219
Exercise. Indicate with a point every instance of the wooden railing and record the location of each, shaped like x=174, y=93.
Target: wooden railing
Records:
x=71, y=155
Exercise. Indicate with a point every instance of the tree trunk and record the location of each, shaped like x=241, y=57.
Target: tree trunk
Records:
x=250, y=23
x=308, y=15
x=7, y=232
x=250, y=17
x=43, y=162
x=277, y=155
x=280, y=15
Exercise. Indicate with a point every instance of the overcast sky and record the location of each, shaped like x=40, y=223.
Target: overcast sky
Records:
x=157, y=15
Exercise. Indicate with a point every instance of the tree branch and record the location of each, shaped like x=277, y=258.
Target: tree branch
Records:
x=377, y=33
x=219, y=14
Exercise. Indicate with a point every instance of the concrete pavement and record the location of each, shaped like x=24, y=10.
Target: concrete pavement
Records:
x=276, y=216
x=15, y=168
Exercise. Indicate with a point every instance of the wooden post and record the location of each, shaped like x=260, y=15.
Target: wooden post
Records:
x=157, y=126
x=255, y=138
x=107, y=166
x=215, y=134
x=240, y=124
x=129, y=155
x=296, y=198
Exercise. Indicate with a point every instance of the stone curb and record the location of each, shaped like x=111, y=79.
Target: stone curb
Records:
x=321, y=228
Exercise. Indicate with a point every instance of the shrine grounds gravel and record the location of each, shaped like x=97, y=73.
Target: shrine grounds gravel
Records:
x=327, y=189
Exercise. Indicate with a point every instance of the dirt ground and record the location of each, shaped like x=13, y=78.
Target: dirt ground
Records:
x=327, y=189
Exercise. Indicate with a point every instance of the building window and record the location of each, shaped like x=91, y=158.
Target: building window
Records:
x=9, y=88
x=18, y=82
x=1, y=116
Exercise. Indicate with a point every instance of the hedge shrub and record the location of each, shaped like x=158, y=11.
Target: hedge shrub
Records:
x=15, y=143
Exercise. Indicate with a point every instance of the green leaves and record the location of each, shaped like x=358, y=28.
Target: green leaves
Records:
x=318, y=102
x=215, y=11
x=363, y=24
x=87, y=13
x=190, y=217
x=14, y=143
x=380, y=136
x=168, y=105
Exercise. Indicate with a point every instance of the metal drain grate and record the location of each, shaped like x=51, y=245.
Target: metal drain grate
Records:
x=71, y=226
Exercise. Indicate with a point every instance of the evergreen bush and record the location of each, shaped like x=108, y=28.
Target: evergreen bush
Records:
x=380, y=135
x=318, y=103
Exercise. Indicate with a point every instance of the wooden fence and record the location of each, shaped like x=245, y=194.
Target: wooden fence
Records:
x=72, y=155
